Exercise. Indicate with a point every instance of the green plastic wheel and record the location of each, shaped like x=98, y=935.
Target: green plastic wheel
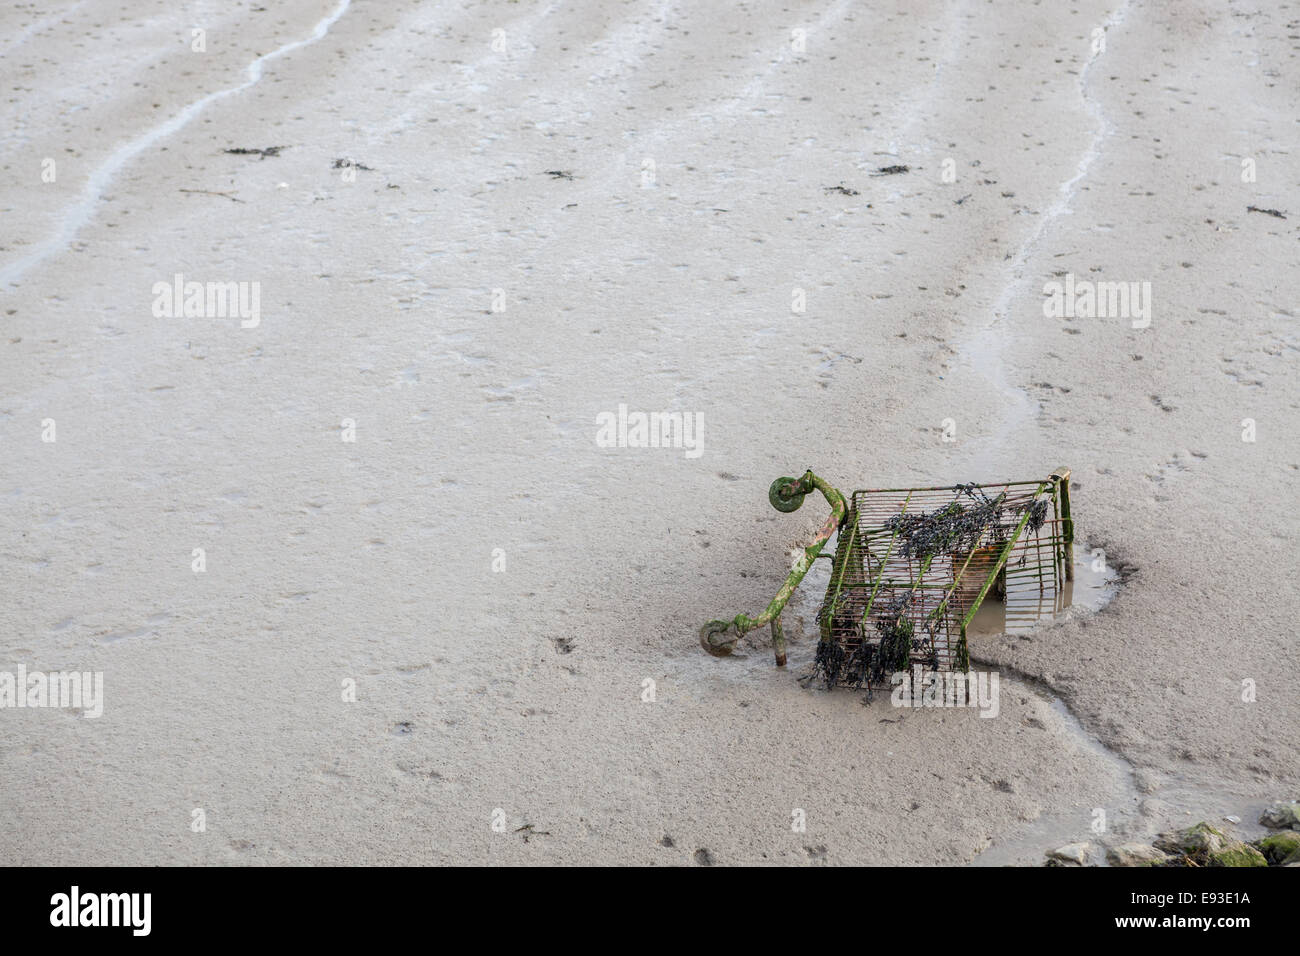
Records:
x=717, y=638
x=783, y=496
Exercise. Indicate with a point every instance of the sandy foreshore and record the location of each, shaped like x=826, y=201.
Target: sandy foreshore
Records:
x=436, y=621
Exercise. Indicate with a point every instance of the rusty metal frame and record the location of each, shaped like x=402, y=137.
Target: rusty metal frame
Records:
x=945, y=605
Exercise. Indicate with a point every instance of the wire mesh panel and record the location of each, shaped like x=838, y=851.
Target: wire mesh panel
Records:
x=914, y=565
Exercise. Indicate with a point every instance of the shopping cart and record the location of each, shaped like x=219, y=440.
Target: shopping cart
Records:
x=912, y=567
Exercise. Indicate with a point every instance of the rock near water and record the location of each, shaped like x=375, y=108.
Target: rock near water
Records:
x=1135, y=854
x=1204, y=845
x=1076, y=853
x=1280, y=849
x=1283, y=815
x=1199, y=838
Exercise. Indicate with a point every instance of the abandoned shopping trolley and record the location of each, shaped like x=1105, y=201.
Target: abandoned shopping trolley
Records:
x=911, y=569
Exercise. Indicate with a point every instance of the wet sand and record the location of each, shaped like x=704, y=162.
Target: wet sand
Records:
x=471, y=312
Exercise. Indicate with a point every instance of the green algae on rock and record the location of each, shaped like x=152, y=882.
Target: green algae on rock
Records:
x=1237, y=854
x=1279, y=846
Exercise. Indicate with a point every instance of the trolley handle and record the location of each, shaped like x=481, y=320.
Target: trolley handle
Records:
x=719, y=637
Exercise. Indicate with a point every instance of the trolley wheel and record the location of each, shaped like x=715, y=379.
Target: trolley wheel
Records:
x=718, y=638
x=783, y=496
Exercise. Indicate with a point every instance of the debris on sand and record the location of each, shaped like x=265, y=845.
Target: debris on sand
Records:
x=841, y=189
x=249, y=151
x=892, y=170
x=559, y=174
x=352, y=164
x=957, y=542
x=213, y=192
x=528, y=831
x=1267, y=212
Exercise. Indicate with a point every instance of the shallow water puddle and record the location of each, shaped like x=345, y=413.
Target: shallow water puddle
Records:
x=1029, y=605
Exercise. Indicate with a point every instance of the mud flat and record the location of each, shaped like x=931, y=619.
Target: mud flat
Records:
x=435, y=620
